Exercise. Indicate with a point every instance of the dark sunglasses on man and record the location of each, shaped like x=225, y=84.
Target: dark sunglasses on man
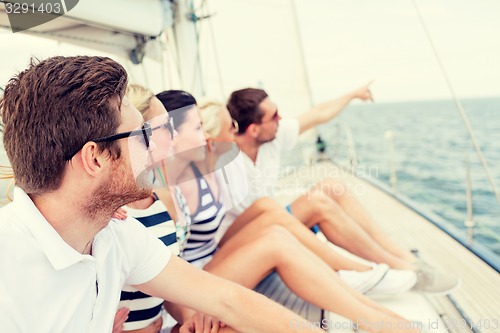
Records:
x=145, y=133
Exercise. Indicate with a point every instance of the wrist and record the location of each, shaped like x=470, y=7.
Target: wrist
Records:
x=186, y=314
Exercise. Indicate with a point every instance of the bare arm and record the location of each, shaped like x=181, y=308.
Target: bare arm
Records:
x=324, y=112
x=166, y=198
x=238, y=307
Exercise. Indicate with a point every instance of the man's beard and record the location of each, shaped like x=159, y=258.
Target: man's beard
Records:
x=120, y=189
x=262, y=140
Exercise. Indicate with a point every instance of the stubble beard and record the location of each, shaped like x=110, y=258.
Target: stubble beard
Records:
x=120, y=189
x=262, y=140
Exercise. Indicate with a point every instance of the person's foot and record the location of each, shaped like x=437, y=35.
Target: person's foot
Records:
x=395, y=281
x=431, y=280
x=381, y=280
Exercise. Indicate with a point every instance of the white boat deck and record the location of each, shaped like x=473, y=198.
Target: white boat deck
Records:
x=479, y=293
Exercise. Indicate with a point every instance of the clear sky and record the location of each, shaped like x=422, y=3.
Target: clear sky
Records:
x=348, y=42
x=384, y=40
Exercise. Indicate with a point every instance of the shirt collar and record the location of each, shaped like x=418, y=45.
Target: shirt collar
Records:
x=58, y=252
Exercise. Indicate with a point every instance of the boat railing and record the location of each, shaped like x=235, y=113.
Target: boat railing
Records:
x=344, y=150
x=393, y=178
x=343, y=129
x=469, y=221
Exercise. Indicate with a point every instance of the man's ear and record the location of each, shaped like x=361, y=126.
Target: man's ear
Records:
x=253, y=130
x=93, y=160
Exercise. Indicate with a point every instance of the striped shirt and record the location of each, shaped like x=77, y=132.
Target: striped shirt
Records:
x=204, y=222
x=145, y=309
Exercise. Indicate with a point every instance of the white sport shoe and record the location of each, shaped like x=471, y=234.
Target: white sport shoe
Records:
x=363, y=281
x=432, y=280
x=381, y=280
x=395, y=281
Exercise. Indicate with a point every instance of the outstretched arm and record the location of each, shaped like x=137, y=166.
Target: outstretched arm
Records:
x=324, y=112
x=228, y=302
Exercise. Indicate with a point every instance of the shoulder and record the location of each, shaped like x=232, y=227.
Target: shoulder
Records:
x=288, y=133
x=143, y=255
x=289, y=125
x=11, y=230
x=123, y=229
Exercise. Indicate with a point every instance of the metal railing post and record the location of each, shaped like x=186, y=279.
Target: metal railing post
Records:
x=353, y=158
x=393, y=178
x=469, y=221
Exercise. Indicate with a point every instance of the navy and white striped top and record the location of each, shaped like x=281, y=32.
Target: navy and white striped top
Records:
x=145, y=309
x=204, y=222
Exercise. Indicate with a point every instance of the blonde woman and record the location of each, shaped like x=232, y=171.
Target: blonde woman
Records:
x=138, y=312
x=7, y=175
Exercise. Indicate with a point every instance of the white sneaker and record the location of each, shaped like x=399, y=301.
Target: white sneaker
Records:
x=381, y=280
x=363, y=281
x=395, y=281
x=432, y=280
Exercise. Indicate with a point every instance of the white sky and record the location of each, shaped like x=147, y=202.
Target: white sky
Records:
x=352, y=40
x=348, y=42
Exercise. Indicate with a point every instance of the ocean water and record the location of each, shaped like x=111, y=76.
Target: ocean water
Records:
x=431, y=147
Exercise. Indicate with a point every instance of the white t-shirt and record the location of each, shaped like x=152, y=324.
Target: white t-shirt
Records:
x=47, y=286
x=233, y=192
x=261, y=177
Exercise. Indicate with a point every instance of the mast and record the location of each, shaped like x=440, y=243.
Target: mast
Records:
x=300, y=44
x=187, y=45
x=312, y=135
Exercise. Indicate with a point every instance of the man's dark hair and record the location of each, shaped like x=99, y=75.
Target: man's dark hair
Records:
x=54, y=107
x=243, y=105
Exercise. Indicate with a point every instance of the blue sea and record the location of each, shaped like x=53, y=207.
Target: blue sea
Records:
x=431, y=147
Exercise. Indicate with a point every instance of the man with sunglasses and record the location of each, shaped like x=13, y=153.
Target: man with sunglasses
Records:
x=328, y=205
x=77, y=148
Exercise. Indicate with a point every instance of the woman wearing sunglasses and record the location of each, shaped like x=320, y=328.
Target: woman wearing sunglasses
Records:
x=259, y=248
x=139, y=312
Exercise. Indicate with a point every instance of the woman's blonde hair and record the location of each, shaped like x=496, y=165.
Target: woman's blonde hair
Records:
x=140, y=97
x=210, y=111
x=6, y=173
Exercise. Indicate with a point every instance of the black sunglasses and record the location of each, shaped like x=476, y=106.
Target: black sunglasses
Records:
x=169, y=125
x=275, y=118
x=146, y=132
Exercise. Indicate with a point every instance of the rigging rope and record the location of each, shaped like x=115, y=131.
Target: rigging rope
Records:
x=175, y=57
x=197, y=64
x=458, y=105
x=216, y=54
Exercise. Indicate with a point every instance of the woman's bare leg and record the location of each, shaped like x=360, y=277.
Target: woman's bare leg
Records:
x=274, y=248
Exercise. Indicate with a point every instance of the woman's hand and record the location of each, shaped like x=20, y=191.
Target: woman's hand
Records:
x=120, y=214
x=200, y=323
x=121, y=317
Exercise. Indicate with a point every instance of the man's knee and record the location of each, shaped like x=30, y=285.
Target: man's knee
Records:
x=319, y=201
x=333, y=187
x=320, y=205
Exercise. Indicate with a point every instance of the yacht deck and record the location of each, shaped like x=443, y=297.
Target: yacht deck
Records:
x=479, y=293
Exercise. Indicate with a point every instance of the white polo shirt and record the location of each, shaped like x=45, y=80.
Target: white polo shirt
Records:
x=47, y=286
x=261, y=177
